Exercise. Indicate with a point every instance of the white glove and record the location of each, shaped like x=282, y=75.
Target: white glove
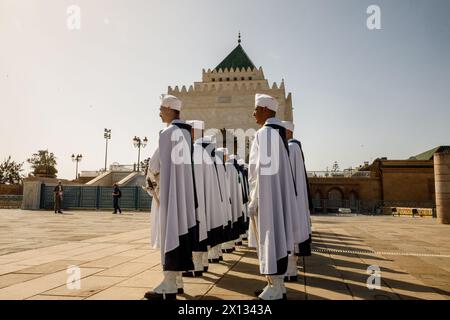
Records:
x=253, y=208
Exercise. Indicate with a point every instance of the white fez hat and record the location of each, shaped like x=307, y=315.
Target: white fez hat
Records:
x=264, y=100
x=223, y=150
x=209, y=139
x=288, y=125
x=196, y=124
x=170, y=102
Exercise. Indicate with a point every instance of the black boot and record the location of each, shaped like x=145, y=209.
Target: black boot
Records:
x=192, y=274
x=151, y=295
x=259, y=291
x=213, y=260
x=291, y=279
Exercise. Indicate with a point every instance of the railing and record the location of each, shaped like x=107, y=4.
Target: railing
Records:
x=10, y=201
x=96, y=197
x=123, y=167
x=11, y=197
x=89, y=174
x=127, y=167
x=339, y=174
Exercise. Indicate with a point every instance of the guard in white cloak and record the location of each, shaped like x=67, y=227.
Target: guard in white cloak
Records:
x=246, y=197
x=200, y=247
x=228, y=243
x=234, y=181
x=302, y=234
x=177, y=220
x=243, y=218
x=272, y=198
x=215, y=196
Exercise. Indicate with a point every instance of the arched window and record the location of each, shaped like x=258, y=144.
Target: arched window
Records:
x=335, y=198
x=334, y=194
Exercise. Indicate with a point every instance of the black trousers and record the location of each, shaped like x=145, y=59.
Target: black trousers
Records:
x=116, y=205
x=57, y=203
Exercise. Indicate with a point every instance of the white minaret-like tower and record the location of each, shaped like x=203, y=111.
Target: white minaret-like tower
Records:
x=225, y=97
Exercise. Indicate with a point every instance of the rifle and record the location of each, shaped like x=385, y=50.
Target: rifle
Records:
x=151, y=186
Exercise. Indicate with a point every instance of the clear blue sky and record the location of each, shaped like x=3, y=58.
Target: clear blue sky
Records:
x=358, y=94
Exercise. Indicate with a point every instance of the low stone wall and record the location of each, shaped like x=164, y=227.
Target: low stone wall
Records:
x=11, y=189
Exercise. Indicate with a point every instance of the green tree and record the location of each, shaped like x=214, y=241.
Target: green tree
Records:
x=335, y=167
x=43, y=164
x=10, y=172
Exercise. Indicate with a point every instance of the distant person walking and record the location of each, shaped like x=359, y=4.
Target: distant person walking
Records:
x=58, y=194
x=116, y=195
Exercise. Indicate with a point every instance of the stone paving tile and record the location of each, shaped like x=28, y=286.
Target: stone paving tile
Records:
x=88, y=287
x=150, y=258
x=315, y=293
x=13, y=278
x=50, y=267
x=39, y=285
x=120, y=293
x=362, y=293
x=44, y=297
x=106, y=262
x=147, y=279
x=237, y=285
x=12, y=267
x=88, y=249
x=134, y=253
x=323, y=282
x=127, y=269
x=98, y=254
x=195, y=290
x=41, y=259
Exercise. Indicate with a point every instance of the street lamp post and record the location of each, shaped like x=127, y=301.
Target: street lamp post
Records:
x=46, y=163
x=76, y=159
x=107, y=136
x=138, y=143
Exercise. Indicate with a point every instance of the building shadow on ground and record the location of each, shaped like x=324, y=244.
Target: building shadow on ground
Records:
x=323, y=275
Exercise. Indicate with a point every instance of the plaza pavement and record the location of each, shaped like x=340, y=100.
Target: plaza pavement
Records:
x=37, y=247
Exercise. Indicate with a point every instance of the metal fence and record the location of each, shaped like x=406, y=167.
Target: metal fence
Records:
x=10, y=201
x=354, y=173
x=96, y=197
x=11, y=197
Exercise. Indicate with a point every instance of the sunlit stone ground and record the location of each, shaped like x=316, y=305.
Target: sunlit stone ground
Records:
x=37, y=247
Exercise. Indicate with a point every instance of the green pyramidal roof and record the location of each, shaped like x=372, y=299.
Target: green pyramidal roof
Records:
x=236, y=59
x=429, y=155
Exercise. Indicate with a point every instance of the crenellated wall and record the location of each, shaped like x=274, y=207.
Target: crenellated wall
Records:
x=226, y=98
